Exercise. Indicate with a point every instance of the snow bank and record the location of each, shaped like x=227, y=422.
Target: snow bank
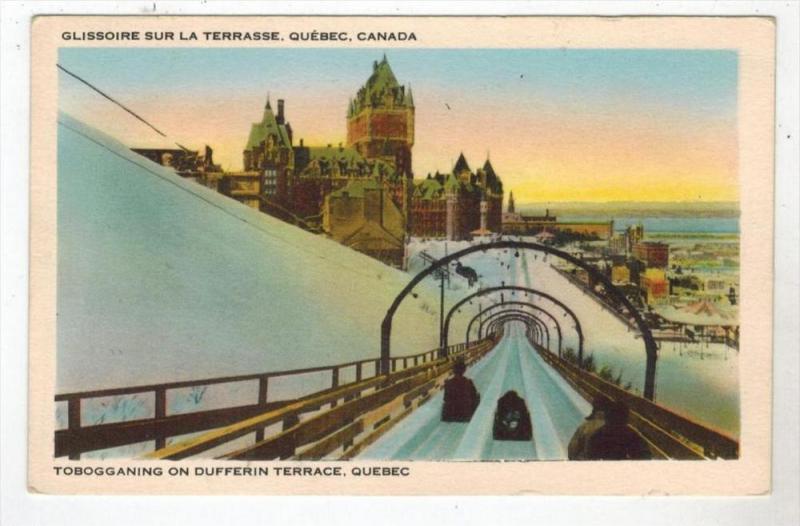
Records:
x=161, y=279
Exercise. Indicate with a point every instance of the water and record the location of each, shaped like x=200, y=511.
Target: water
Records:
x=688, y=225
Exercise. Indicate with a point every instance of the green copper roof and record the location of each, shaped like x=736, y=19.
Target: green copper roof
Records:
x=382, y=78
x=382, y=84
x=409, y=101
x=349, y=155
x=428, y=189
x=259, y=131
x=357, y=188
x=452, y=183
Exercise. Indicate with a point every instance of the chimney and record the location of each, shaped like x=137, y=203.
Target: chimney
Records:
x=279, y=118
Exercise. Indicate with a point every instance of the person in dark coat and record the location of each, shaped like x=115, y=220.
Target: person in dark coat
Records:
x=579, y=444
x=460, y=396
x=512, y=421
x=616, y=440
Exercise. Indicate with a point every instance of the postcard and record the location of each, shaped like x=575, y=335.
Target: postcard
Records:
x=401, y=255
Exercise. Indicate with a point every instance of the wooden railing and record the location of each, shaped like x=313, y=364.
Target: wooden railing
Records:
x=355, y=415
x=598, y=298
x=77, y=438
x=670, y=434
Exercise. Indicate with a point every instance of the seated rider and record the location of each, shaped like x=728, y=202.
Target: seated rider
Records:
x=616, y=440
x=460, y=396
x=579, y=444
x=512, y=421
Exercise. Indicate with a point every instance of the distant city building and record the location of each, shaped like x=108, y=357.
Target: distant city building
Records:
x=511, y=215
x=654, y=285
x=617, y=246
x=634, y=235
x=623, y=244
x=653, y=254
x=521, y=224
x=620, y=274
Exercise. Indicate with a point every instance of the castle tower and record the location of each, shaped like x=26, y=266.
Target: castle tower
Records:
x=380, y=119
x=511, y=203
x=269, y=152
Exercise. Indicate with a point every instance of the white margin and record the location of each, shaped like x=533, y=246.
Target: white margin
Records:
x=18, y=507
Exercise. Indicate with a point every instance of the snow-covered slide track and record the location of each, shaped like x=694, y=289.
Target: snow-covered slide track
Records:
x=556, y=411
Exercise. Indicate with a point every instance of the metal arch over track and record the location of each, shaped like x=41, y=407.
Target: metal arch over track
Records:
x=518, y=312
x=444, y=337
x=521, y=303
x=651, y=349
x=531, y=321
x=532, y=328
x=529, y=305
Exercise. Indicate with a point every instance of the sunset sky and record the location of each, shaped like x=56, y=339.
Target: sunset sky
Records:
x=558, y=125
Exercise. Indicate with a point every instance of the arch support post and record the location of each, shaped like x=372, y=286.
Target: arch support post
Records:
x=386, y=334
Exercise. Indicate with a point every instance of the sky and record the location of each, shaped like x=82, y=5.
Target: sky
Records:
x=557, y=124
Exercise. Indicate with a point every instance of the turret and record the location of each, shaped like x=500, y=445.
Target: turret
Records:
x=280, y=118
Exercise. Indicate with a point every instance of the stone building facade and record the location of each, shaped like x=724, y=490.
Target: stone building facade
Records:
x=363, y=216
x=380, y=119
x=327, y=188
x=457, y=205
x=269, y=153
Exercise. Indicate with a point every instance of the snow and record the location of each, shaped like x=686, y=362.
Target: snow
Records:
x=700, y=381
x=161, y=279
x=556, y=409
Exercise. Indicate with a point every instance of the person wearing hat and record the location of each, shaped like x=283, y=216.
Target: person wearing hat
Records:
x=578, y=448
x=461, y=398
x=616, y=440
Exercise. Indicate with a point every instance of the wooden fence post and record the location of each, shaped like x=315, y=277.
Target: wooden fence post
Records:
x=334, y=383
x=161, y=412
x=74, y=424
x=263, y=387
